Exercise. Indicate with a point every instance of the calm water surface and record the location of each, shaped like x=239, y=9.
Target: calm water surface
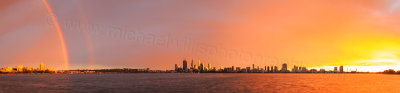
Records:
x=198, y=83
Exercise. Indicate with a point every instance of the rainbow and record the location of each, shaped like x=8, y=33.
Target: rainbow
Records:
x=88, y=36
x=60, y=34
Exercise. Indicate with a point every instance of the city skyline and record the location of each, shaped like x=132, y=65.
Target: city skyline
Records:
x=252, y=69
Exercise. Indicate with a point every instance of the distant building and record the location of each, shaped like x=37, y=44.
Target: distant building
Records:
x=322, y=70
x=209, y=66
x=284, y=67
x=20, y=69
x=196, y=67
x=272, y=69
x=313, y=70
x=42, y=67
x=295, y=69
x=248, y=69
x=276, y=69
x=268, y=69
x=300, y=70
x=199, y=65
x=244, y=70
x=191, y=64
x=304, y=69
x=184, y=65
x=335, y=69
x=8, y=69
x=176, y=67
x=254, y=68
x=341, y=69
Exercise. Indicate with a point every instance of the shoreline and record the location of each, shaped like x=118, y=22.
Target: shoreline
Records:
x=188, y=73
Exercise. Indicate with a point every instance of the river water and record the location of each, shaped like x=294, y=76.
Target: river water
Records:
x=198, y=83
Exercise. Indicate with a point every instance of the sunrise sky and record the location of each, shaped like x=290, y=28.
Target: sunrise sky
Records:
x=90, y=34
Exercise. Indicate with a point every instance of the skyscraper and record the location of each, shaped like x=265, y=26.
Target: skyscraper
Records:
x=191, y=65
x=276, y=69
x=341, y=69
x=184, y=65
x=209, y=66
x=268, y=69
x=199, y=65
x=265, y=68
x=176, y=67
x=284, y=67
x=254, y=69
x=272, y=69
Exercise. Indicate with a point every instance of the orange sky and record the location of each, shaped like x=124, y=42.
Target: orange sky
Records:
x=141, y=34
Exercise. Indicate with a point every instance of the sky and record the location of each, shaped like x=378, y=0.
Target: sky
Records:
x=89, y=34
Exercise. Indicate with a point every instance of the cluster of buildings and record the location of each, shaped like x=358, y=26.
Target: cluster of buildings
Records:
x=203, y=68
x=391, y=71
x=22, y=69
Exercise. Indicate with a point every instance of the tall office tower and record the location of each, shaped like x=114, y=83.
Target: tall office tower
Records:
x=268, y=69
x=335, y=69
x=341, y=69
x=253, y=68
x=284, y=67
x=191, y=65
x=272, y=69
x=233, y=68
x=184, y=65
x=209, y=66
x=176, y=67
x=276, y=69
x=265, y=68
x=199, y=65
